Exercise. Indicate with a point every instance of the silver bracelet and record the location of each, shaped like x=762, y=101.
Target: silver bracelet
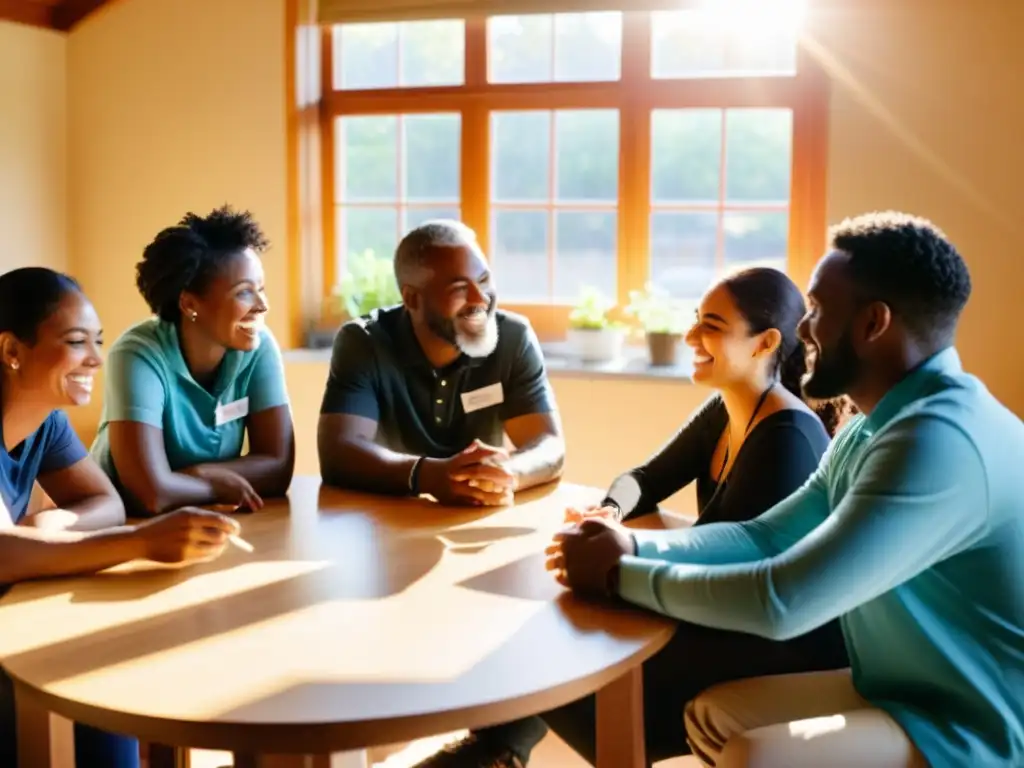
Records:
x=413, y=481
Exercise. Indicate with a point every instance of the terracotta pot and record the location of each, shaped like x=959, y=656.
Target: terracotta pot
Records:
x=663, y=348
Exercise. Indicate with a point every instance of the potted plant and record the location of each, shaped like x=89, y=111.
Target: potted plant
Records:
x=663, y=319
x=368, y=283
x=594, y=337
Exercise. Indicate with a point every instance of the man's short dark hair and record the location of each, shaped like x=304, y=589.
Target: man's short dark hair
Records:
x=907, y=262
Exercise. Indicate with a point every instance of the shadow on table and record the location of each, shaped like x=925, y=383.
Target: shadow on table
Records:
x=524, y=579
x=537, y=667
x=115, y=587
x=527, y=579
x=390, y=567
x=470, y=541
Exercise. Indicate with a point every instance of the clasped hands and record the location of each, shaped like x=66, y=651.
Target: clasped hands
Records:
x=480, y=475
x=585, y=557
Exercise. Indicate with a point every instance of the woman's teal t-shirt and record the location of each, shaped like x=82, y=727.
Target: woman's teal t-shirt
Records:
x=146, y=380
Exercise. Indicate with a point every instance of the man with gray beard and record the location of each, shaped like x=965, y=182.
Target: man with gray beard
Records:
x=421, y=396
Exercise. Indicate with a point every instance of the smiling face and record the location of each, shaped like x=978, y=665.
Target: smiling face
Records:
x=230, y=311
x=456, y=300
x=829, y=329
x=58, y=369
x=725, y=352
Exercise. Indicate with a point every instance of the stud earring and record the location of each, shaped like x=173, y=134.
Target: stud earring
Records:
x=193, y=316
x=14, y=365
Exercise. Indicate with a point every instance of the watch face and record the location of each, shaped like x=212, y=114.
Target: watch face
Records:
x=626, y=492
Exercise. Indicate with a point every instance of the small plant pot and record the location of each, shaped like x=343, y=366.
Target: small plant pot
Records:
x=320, y=336
x=663, y=348
x=596, y=345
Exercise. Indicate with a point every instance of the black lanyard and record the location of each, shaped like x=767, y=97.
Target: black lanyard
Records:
x=720, y=481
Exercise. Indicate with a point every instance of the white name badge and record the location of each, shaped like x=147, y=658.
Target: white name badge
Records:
x=484, y=397
x=230, y=411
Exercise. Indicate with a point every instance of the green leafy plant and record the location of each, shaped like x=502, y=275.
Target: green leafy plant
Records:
x=591, y=311
x=368, y=283
x=657, y=311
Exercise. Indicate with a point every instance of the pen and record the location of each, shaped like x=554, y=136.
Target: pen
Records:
x=241, y=543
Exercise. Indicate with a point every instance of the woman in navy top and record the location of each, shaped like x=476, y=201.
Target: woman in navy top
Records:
x=751, y=444
x=50, y=342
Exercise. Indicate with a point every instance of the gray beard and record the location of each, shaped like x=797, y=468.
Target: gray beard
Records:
x=482, y=345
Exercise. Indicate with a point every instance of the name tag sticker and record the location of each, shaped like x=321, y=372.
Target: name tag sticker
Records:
x=230, y=411
x=484, y=397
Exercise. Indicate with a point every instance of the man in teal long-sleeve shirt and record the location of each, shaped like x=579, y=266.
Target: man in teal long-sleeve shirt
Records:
x=911, y=531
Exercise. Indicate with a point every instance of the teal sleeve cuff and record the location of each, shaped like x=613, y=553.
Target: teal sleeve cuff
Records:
x=636, y=581
x=647, y=543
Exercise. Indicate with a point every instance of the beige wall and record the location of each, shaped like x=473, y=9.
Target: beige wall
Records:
x=33, y=147
x=927, y=115
x=174, y=105
x=178, y=104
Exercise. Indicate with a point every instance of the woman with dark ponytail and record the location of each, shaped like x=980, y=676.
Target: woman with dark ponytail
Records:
x=749, y=446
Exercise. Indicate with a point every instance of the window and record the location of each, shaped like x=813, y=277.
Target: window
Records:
x=393, y=172
x=720, y=194
x=694, y=44
x=598, y=149
x=554, y=203
x=398, y=55
x=562, y=47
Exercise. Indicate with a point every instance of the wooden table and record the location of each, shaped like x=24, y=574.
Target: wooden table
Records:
x=357, y=621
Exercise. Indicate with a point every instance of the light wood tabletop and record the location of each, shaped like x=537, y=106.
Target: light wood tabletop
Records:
x=357, y=620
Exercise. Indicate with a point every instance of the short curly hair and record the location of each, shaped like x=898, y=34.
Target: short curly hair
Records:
x=907, y=262
x=186, y=256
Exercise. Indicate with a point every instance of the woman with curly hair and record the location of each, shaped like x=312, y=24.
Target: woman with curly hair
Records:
x=185, y=387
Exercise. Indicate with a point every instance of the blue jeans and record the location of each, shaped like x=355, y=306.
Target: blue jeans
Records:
x=93, y=748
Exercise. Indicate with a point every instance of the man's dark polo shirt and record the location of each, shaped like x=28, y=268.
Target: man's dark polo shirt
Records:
x=379, y=371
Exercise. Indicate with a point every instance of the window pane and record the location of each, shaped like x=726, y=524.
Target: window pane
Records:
x=588, y=46
x=588, y=154
x=758, y=154
x=683, y=252
x=565, y=47
x=756, y=238
x=365, y=56
x=413, y=217
x=361, y=229
x=366, y=158
x=521, y=156
x=520, y=254
x=686, y=155
x=585, y=253
x=765, y=49
x=433, y=52
x=519, y=49
x=706, y=43
x=431, y=155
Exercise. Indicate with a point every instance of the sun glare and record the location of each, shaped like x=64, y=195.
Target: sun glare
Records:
x=752, y=18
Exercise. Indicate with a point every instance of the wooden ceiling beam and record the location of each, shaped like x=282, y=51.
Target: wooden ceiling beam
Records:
x=51, y=14
x=69, y=13
x=27, y=12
